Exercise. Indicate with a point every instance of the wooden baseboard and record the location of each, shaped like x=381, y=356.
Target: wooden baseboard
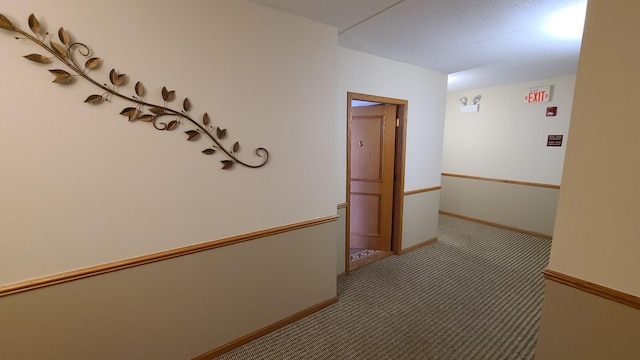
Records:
x=507, y=227
x=268, y=329
x=341, y=275
x=418, y=246
x=595, y=289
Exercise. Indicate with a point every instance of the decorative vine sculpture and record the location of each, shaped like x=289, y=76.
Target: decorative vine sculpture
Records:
x=141, y=110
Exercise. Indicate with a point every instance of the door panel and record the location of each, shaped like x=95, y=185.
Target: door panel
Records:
x=365, y=225
x=367, y=148
x=371, y=176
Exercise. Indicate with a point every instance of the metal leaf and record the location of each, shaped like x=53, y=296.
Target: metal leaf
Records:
x=5, y=23
x=168, y=95
x=59, y=49
x=131, y=113
x=61, y=76
x=64, y=37
x=133, y=116
x=139, y=89
x=34, y=24
x=158, y=111
x=172, y=125
x=113, y=76
x=64, y=51
x=127, y=110
x=94, y=99
x=222, y=133
x=92, y=63
x=37, y=58
x=193, y=135
x=147, y=118
x=186, y=104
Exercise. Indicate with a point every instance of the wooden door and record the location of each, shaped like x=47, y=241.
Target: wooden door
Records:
x=372, y=140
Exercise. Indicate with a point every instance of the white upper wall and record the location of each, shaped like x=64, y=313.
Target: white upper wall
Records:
x=507, y=138
x=597, y=233
x=425, y=91
x=82, y=186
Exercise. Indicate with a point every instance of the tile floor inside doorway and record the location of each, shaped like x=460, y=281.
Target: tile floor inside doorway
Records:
x=357, y=254
x=361, y=257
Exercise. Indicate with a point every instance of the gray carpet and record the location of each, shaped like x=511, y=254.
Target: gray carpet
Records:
x=475, y=294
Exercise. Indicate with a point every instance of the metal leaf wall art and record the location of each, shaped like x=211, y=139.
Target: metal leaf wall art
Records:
x=162, y=117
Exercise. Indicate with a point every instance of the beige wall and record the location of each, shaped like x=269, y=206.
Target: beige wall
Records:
x=420, y=218
x=596, y=233
x=507, y=138
x=82, y=186
x=173, y=309
x=579, y=325
x=597, y=214
x=524, y=207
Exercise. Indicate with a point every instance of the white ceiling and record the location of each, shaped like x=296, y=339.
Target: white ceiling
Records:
x=479, y=43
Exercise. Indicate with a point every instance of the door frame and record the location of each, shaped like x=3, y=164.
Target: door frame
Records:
x=398, y=170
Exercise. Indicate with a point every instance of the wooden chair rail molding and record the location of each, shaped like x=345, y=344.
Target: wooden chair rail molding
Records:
x=160, y=256
x=595, y=289
x=419, y=191
x=513, y=182
x=406, y=193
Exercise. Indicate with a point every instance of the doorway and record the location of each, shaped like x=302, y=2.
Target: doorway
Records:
x=376, y=138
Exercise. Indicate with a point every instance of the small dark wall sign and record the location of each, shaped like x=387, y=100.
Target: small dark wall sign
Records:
x=554, y=140
x=552, y=111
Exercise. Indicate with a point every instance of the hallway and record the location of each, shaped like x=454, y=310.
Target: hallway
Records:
x=475, y=294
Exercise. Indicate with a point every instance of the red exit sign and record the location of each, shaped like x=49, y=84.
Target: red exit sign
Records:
x=538, y=94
